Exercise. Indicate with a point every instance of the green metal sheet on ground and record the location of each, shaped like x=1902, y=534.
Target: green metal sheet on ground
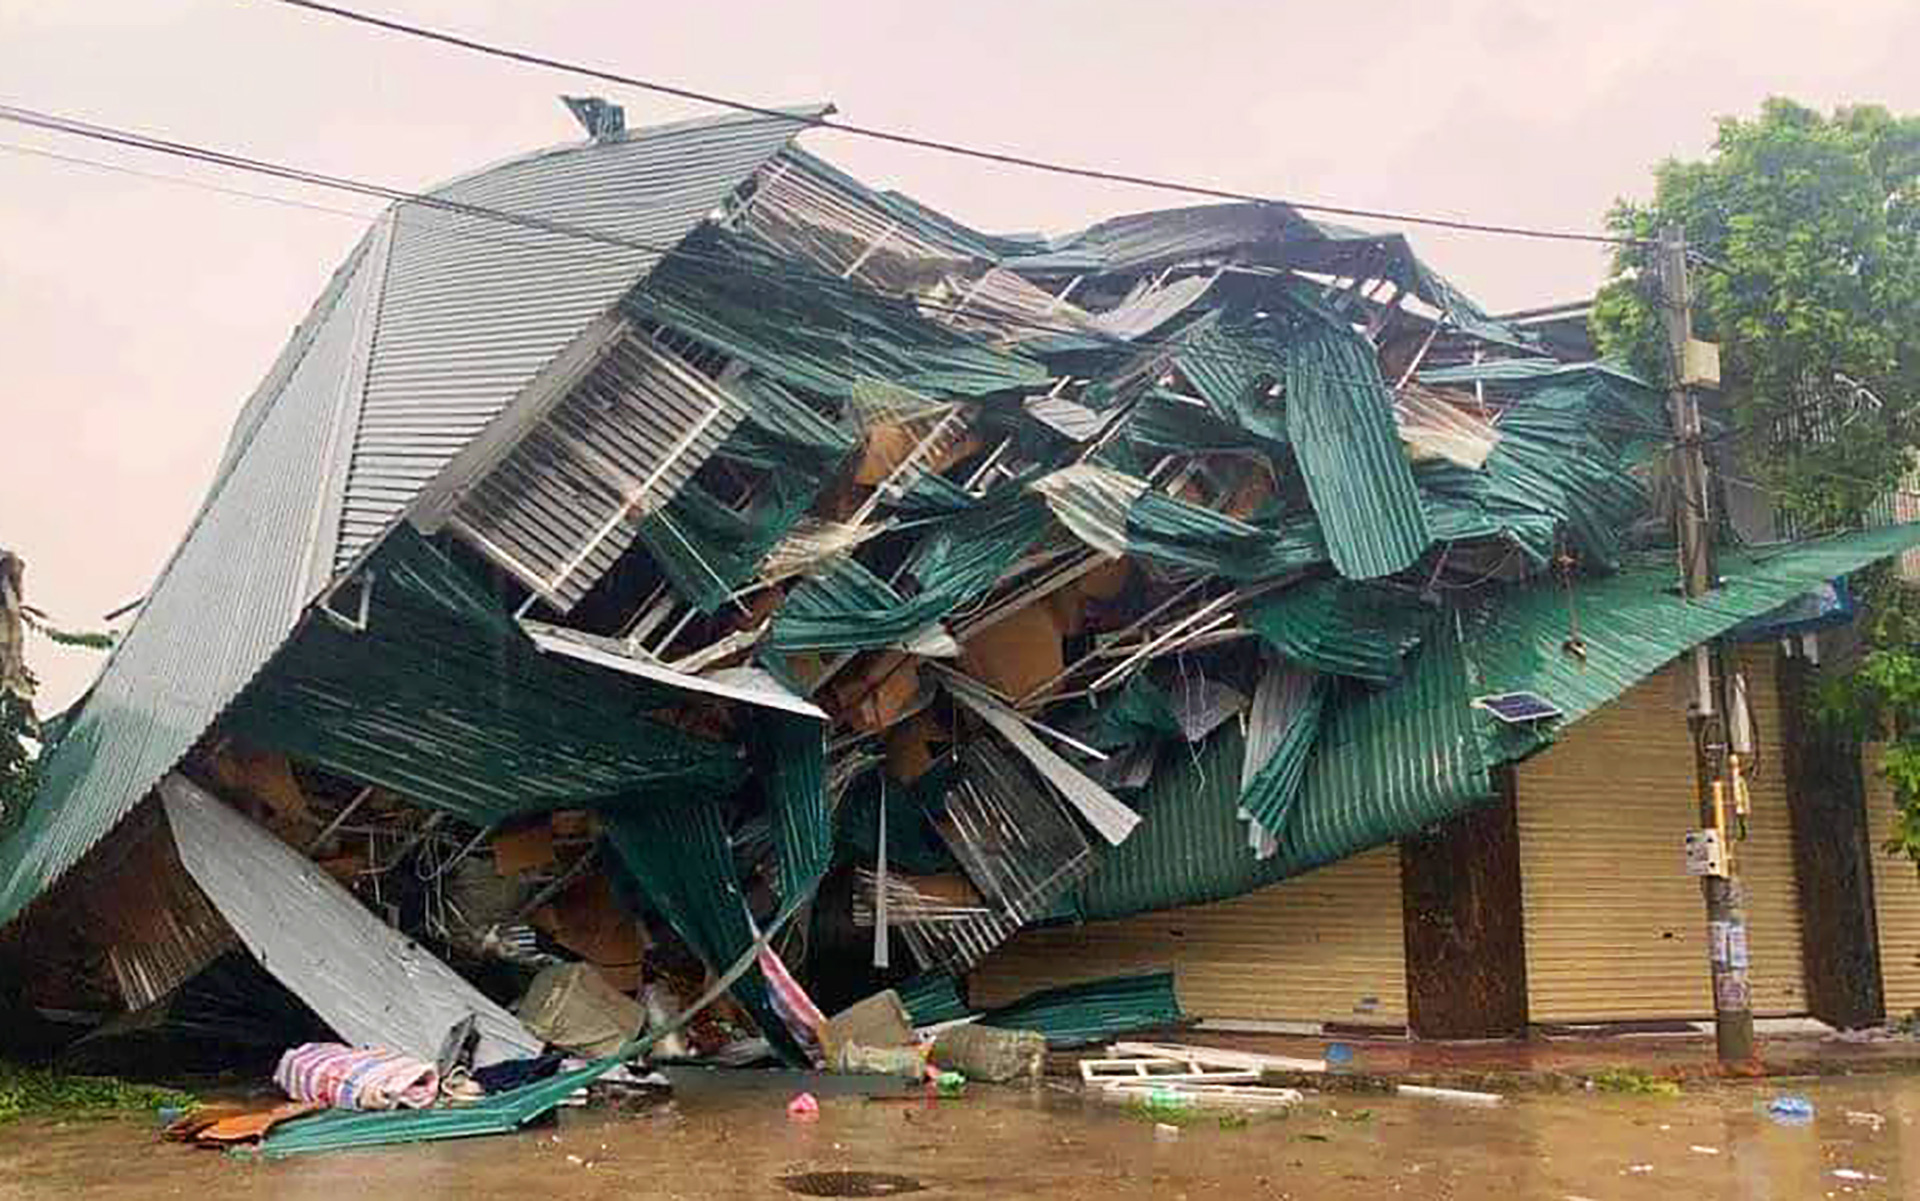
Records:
x=500, y=1113
x=1094, y=1012
x=443, y=700
x=1340, y=628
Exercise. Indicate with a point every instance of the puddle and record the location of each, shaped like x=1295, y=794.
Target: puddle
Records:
x=850, y=1184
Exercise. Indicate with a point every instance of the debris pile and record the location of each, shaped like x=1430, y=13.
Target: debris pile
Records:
x=833, y=593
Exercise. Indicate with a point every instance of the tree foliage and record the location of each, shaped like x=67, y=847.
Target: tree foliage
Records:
x=1807, y=228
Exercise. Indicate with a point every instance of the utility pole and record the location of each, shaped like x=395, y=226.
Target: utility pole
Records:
x=1710, y=722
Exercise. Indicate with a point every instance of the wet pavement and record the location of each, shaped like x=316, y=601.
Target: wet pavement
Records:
x=1714, y=1141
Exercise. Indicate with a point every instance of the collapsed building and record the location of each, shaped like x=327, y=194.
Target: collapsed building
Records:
x=668, y=537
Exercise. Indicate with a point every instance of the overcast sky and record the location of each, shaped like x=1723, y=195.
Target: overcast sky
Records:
x=136, y=315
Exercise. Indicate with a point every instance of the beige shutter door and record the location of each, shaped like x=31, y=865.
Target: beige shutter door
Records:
x=1896, y=898
x=1323, y=947
x=1615, y=928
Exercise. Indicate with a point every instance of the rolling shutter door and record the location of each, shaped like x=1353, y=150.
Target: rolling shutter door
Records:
x=1323, y=947
x=1896, y=899
x=1615, y=928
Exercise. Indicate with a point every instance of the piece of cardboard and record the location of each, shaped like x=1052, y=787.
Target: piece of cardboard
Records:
x=879, y=1021
x=885, y=448
x=910, y=747
x=523, y=848
x=1016, y=654
x=588, y=919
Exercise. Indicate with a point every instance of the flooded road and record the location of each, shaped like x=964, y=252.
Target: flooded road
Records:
x=1713, y=1142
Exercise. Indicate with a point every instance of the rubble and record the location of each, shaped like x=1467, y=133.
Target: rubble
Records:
x=836, y=560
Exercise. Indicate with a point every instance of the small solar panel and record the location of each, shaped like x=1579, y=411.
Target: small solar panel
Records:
x=1516, y=708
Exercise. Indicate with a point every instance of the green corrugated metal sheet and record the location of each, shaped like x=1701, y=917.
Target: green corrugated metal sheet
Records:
x=444, y=700
x=1094, y=1012
x=1341, y=628
x=847, y=607
x=1270, y=797
x=1390, y=762
x=1386, y=763
x=1340, y=421
x=1635, y=621
x=1233, y=372
x=790, y=756
x=814, y=332
x=932, y=997
x=681, y=861
x=1114, y=512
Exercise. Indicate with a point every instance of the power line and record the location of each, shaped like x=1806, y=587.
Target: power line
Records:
x=232, y=161
x=183, y=181
x=1004, y=158
x=198, y=153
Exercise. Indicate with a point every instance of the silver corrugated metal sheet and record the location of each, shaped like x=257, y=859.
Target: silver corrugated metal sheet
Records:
x=473, y=308
x=221, y=606
x=560, y=508
x=372, y=984
x=435, y=322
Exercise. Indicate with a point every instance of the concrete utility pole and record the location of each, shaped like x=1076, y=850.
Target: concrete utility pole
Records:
x=1718, y=769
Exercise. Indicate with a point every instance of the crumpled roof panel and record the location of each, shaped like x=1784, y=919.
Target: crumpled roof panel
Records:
x=473, y=307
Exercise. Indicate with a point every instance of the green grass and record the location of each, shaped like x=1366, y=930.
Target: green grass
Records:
x=1632, y=1080
x=40, y=1092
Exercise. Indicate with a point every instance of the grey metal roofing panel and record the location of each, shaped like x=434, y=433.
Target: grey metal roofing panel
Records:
x=222, y=604
x=473, y=307
x=372, y=984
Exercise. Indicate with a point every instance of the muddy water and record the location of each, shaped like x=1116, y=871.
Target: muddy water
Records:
x=1716, y=1143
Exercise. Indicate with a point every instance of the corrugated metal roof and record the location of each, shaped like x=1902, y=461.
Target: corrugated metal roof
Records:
x=1095, y=1011
x=444, y=700
x=433, y=324
x=1634, y=621
x=372, y=984
x=474, y=308
x=222, y=604
x=1387, y=762
x=1340, y=421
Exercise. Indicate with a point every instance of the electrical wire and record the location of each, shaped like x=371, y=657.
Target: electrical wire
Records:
x=1003, y=158
x=395, y=195
x=182, y=180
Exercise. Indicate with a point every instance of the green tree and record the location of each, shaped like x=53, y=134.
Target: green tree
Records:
x=1807, y=231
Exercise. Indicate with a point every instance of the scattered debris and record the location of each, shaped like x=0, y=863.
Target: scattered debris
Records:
x=1790, y=1110
x=1459, y=1095
x=803, y=1108
x=987, y=1053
